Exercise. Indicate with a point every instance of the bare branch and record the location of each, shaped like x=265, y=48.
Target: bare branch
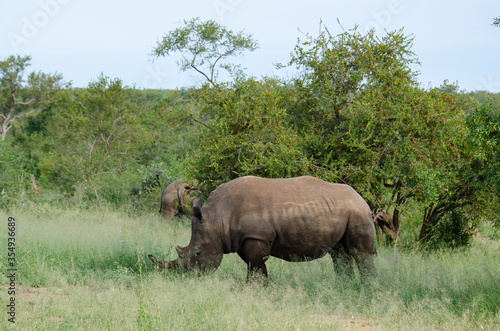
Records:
x=201, y=72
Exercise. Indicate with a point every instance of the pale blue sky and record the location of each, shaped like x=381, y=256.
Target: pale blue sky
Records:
x=454, y=40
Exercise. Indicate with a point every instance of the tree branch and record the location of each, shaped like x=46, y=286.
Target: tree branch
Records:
x=208, y=78
x=200, y=122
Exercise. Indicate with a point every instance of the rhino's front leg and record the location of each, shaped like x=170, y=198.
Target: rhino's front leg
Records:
x=255, y=253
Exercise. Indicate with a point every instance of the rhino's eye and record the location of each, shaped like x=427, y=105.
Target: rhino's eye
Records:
x=197, y=253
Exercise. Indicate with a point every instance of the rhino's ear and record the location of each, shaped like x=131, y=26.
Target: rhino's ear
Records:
x=196, y=205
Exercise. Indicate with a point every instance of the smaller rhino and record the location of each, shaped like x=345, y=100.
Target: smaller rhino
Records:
x=176, y=198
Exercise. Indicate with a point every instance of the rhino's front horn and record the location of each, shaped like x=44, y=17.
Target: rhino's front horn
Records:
x=169, y=265
x=153, y=259
x=161, y=264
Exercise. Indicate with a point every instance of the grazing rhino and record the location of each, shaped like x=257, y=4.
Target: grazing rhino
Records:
x=176, y=198
x=295, y=219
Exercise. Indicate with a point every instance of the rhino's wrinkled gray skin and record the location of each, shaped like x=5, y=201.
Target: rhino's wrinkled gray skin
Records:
x=295, y=219
x=176, y=198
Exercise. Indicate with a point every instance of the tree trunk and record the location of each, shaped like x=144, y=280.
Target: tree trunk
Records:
x=426, y=221
x=34, y=187
x=99, y=201
x=3, y=133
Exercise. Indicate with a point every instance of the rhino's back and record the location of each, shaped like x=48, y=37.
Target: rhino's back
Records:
x=175, y=184
x=250, y=194
x=290, y=213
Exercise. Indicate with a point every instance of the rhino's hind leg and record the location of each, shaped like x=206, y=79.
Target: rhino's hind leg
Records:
x=356, y=246
x=360, y=243
x=366, y=265
x=343, y=262
x=255, y=253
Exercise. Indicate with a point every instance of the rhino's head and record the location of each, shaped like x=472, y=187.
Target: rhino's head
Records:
x=205, y=248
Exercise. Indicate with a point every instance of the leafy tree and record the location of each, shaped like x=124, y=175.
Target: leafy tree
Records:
x=483, y=126
x=366, y=122
x=496, y=22
x=22, y=96
x=452, y=218
x=96, y=129
x=344, y=110
x=248, y=134
x=170, y=136
x=14, y=174
x=205, y=47
x=486, y=97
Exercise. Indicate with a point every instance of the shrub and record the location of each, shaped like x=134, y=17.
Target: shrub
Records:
x=151, y=180
x=248, y=133
x=14, y=176
x=453, y=230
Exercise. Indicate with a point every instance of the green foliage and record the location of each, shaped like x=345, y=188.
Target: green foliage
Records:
x=453, y=230
x=337, y=68
x=56, y=144
x=490, y=230
x=153, y=179
x=205, y=46
x=366, y=122
x=484, y=130
x=100, y=128
x=248, y=134
x=170, y=136
x=486, y=97
x=483, y=124
x=14, y=174
x=169, y=140
x=496, y=22
x=21, y=96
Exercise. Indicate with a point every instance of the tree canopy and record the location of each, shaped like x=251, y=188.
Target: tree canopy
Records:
x=496, y=21
x=22, y=95
x=205, y=47
x=100, y=128
x=355, y=114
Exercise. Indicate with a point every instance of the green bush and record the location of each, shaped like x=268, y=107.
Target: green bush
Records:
x=453, y=230
x=150, y=182
x=115, y=188
x=153, y=177
x=248, y=133
x=14, y=175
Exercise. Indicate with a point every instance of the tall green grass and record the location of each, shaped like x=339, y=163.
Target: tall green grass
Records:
x=78, y=269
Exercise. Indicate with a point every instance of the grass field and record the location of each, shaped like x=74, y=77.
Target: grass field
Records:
x=79, y=270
